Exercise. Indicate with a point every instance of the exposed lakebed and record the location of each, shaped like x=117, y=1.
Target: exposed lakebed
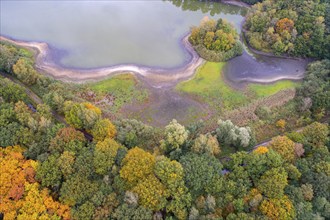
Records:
x=91, y=40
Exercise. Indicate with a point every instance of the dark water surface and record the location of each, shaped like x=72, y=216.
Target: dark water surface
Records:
x=256, y=68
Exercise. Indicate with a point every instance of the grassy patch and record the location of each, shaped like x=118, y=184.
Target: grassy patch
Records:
x=124, y=82
x=208, y=84
x=125, y=89
x=264, y=90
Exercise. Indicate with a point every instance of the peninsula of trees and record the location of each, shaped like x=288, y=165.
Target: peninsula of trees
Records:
x=297, y=28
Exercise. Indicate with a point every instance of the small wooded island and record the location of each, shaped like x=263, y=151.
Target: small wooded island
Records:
x=215, y=41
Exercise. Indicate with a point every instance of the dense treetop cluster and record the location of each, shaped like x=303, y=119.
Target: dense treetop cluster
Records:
x=215, y=40
x=314, y=93
x=178, y=176
x=20, y=193
x=297, y=28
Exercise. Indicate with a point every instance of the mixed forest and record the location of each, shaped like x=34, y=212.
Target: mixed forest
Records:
x=296, y=28
x=63, y=157
x=215, y=41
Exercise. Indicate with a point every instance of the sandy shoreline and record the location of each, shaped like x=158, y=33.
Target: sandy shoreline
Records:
x=157, y=76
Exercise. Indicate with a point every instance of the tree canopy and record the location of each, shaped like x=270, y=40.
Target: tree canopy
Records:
x=296, y=28
x=215, y=40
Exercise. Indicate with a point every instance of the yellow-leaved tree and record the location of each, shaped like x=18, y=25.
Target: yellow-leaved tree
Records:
x=20, y=194
x=284, y=146
x=137, y=165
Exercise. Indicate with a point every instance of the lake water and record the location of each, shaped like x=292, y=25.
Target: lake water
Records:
x=86, y=34
x=91, y=34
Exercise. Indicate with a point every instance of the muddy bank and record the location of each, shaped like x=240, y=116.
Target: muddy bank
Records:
x=158, y=77
x=249, y=67
x=164, y=105
x=263, y=69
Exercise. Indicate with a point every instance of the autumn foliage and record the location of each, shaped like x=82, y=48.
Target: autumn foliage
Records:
x=295, y=28
x=284, y=146
x=104, y=155
x=20, y=194
x=284, y=24
x=81, y=115
x=278, y=208
x=152, y=193
x=281, y=124
x=215, y=41
x=261, y=150
x=103, y=129
x=176, y=172
x=66, y=139
x=25, y=71
x=137, y=165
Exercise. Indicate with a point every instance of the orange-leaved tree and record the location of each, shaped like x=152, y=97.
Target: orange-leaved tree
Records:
x=284, y=24
x=281, y=208
x=20, y=194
